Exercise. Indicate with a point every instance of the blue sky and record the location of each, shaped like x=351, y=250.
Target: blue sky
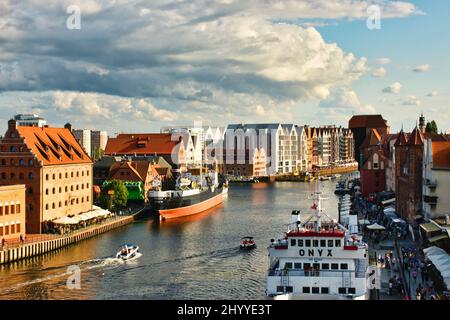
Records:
x=136, y=65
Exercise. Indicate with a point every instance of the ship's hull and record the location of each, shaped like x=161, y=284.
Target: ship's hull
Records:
x=187, y=206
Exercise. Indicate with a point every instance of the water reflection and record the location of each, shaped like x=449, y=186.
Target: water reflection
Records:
x=195, y=257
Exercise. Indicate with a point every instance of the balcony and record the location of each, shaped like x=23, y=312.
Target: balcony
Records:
x=314, y=273
x=430, y=199
x=431, y=183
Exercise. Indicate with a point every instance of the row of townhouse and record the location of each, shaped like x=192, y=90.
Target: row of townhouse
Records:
x=289, y=148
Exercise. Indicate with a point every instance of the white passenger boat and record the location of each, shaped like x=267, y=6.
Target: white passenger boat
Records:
x=128, y=252
x=317, y=259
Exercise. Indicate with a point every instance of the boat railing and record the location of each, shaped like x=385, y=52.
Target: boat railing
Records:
x=314, y=273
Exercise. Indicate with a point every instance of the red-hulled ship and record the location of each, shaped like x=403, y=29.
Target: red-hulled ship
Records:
x=188, y=199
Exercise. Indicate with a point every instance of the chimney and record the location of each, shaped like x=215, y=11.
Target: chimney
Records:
x=68, y=126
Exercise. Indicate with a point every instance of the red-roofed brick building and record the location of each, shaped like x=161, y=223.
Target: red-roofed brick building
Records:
x=148, y=144
x=55, y=169
x=361, y=126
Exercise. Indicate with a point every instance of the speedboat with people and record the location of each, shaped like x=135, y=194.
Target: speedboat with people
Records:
x=247, y=243
x=128, y=252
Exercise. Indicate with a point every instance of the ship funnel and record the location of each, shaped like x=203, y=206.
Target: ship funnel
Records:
x=295, y=216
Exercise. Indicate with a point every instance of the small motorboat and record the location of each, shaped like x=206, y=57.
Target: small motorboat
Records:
x=127, y=252
x=247, y=243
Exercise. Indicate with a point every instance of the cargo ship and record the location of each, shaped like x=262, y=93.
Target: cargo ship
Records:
x=193, y=194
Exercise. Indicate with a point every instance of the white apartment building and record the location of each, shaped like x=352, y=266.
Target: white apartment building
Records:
x=324, y=145
x=83, y=137
x=29, y=120
x=436, y=179
x=302, y=149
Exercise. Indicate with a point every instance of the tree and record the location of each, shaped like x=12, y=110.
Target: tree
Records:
x=431, y=127
x=116, y=200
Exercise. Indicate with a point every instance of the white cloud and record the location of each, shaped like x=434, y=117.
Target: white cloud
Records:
x=384, y=61
x=379, y=72
x=393, y=88
x=345, y=100
x=422, y=68
x=433, y=93
x=411, y=101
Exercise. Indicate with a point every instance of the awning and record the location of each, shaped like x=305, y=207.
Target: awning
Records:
x=388, y=201
x=375, y=226
x=433, y=251
x=439, y=237
x=65, y=220
x=363, y=221
x=430, y=227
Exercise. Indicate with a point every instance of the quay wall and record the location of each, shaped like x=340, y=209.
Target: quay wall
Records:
x=29, y=250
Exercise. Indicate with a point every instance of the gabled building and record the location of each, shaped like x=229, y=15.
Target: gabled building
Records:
x=436, y=179
x=149, y=144
x=302, y=149
x=55, y=169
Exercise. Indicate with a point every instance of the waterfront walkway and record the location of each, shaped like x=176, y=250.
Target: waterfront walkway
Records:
x=46, y=243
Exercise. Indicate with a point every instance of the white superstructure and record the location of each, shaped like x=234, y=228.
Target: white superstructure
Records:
x=317, y=258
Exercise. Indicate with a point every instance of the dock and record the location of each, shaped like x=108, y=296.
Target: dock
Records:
x=48, y=243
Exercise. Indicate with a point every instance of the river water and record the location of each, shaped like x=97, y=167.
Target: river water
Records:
x=195, y=257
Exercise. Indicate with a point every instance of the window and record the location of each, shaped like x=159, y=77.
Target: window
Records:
x=330, y=243
x=297, y=265
x=6, y=230
x=337, y=243
x=344, y=266
x=315, y=290
x=6, y=209
x=30, y=190
x=65, y=203
x=342, y=290
x=1, y=231
x=82, y=173
x=53, y=205
x=3, y=175
x=46, y=206
x=30, y=176
x=307, y=243
x=30, y=162
x=293, y=242
x=280, y=289
x=306, y=266
x=18, y=208
x=351, y=290
x=11, y=162
x=78, y=187
x=46, y=191
x=60, y=204
x=87, y=185
x=71, y=174
x=87, y=199
x=306, y=290
x=21, y=162
x=323, y=243
x=46, y=177
x=315, y=243
x=71, y=188
x=13, y=228
x=300, y=243
x=13, y=175
x=65, y=188
x=334, y=266
x=67, y=175
x=60, y=189
x=53, y=190
x=18, y=227
x=324, y=290
x=13, y=209
x=21, y=176
x=325, y=266
x=288, y=265
x=78, y=174
x=289, y=289
x=1, y=210
x=3, y=162
x=82, y=199
x=60, y=176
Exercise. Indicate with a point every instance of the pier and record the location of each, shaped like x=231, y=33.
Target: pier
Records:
x=48, y=243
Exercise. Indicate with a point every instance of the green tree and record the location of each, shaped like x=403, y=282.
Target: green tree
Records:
x=431, y=127
x=116, y=200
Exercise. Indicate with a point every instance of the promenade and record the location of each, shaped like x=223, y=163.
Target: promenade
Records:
x=39, y=244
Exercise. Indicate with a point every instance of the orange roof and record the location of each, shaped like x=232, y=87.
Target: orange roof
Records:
x=141, y=144
x=373, y=139
x=441, y=154
x=53, y=146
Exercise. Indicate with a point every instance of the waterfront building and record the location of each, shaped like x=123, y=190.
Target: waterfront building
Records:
x=56, y=170
x=83, y=137
x=309, y=148
x=254, y=164
x=388, y=145
x=12, y=211
x=436, y=179
x=149, y=144
x=29, y=120
x=324, y=145
x=361, y=126
x=372, y=172
x=302, y=149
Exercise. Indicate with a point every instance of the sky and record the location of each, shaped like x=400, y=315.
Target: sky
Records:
x=136, y=65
